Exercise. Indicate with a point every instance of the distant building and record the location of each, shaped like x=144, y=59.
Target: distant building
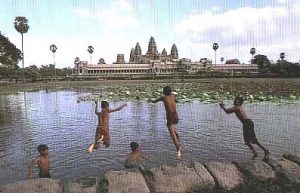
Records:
x=152, y=54
x=151, y=63
x=237, y=69
x=233, y=61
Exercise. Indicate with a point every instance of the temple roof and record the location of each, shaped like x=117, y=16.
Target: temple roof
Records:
x=152, y=46
x=137, y=50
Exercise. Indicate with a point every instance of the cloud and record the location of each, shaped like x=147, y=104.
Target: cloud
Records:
x=216, y=9
x=269, y=29
x=82, y=12
x=37, y=49
x=116, y=28
x=282, y=1
x=112, y=36
x=118, y=15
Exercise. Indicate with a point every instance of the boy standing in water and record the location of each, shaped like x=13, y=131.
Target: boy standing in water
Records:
x=172, y=117
x=102, y=131
x=134, y=156
x=248, y=126
x=42, y=161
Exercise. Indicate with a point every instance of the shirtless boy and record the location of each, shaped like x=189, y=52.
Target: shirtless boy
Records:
x=42, y=161
x=169, y=101
x=102, y=131
x=248, y=126
x=134, y=157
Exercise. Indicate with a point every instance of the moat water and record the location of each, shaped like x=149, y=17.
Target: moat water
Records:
x=67, y=126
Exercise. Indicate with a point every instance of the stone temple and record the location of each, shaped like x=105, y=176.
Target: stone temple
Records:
x=152, y=63
x=152, y=54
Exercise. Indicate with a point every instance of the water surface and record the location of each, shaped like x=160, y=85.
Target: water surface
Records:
x=67, y=126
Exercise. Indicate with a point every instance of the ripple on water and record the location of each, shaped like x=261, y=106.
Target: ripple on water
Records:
x=68, y=127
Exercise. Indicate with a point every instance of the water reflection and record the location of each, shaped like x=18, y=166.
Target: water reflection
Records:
x=67, y=127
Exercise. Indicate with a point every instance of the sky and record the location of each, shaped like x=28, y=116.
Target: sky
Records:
x=115, y=26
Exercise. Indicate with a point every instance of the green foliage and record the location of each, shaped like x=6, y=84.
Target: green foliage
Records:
x=32, y=72
x=285, y=68
x=263, y=63
x=187, y=92
x=10, y=55
x=282, y=67
x=21, y=24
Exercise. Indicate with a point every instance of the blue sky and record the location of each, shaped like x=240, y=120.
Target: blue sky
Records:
x=114, y=26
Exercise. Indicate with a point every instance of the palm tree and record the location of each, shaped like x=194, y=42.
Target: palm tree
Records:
x=215, y=47
x=76, y=61
x=222, y=60
x=21, y=25
x=282, y=55
x=90, y=50
x=101, y=61
x=252, y=52
x=53, y=49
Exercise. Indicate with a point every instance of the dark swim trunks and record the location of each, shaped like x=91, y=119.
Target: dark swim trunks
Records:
x=172, y=118
x=102, y=131
x=248, y=132
x=129, y=164
x=45, y=175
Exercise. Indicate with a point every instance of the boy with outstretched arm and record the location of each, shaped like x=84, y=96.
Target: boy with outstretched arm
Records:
x=42, y=161
x=102, y=131
x=248, y=126
x=169, y=101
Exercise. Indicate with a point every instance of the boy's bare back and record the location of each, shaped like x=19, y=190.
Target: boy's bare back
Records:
x=43, y=163
x=240, y=113
x=237, y=109
x=134, y=157
x=170, y=103
x=103, y=118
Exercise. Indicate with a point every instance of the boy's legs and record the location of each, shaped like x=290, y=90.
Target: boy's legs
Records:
x=267, y=152
x=175, y=139
x=98, y=138
x=253, y=139
x=106, y=140
x=248, y=138
x=255, y=154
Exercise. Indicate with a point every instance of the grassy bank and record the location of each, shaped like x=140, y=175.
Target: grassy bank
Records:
x=205, y=90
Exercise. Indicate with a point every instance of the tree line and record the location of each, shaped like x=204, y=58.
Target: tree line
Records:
x=281, y=68
x=10, y=56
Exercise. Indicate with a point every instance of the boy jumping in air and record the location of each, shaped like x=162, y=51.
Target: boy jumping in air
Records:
x=172, y=117
x=248, y=126
x=102, y=131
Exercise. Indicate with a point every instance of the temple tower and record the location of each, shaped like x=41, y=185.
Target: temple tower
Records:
x=164, y=52
x=120, y=59
x=174, y=52
x=131, y=58
x=137, y=50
